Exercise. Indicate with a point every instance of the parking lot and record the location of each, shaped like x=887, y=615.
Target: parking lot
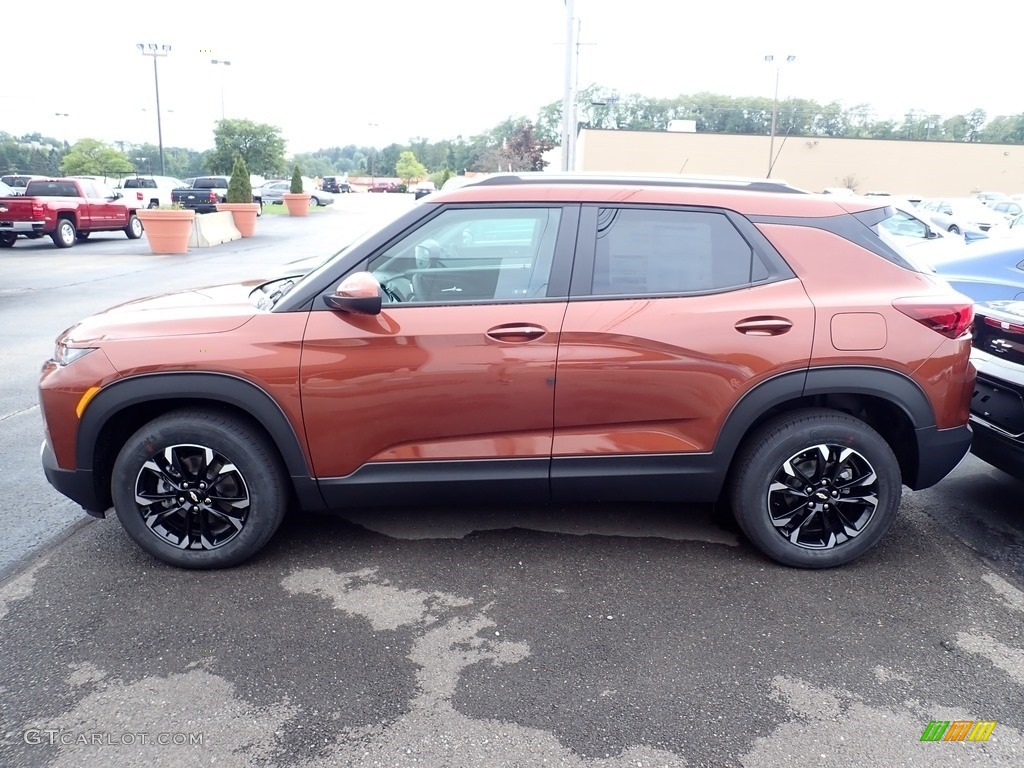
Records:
x=483, y=634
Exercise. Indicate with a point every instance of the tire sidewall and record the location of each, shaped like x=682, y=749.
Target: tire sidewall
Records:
x=253, y=461
x=134, y=228
x=750, y=493
x=66, y=233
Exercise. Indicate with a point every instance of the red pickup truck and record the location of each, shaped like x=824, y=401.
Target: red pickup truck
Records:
x=66, y=210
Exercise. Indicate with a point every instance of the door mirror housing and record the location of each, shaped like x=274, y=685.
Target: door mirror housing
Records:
x=358, y=293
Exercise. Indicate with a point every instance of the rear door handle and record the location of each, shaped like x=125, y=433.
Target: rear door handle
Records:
x=516, y=333
x=763, y=326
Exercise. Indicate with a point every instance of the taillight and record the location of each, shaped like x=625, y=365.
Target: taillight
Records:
x=1010, y=327
x=951, y=320
x=38, y=211
x=138, y=196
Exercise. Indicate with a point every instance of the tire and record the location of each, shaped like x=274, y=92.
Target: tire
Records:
x=954, y=229
x=64, y=235
x=259, y=212
x=8, y=239
x=153, y=204
x=80, y=236
x=815, y=488
x=134, y=228
x=314, y=202
x=171, y=458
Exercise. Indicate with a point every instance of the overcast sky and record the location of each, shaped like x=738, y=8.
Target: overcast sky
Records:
x=378, y=71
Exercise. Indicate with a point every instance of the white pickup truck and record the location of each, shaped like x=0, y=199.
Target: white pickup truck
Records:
x=149, y=191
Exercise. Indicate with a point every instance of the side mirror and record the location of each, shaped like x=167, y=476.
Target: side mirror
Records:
x=358, y=293
x=116, y=196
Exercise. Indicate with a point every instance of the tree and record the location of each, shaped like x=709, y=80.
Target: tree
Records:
x=240, y=185
x=522, y=150
x=409, y=168
x=259, y=144
x=90, y=157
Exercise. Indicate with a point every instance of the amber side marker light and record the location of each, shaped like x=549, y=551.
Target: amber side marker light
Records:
x=88, y=395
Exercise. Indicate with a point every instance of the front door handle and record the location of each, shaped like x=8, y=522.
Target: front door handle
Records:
x=763, y=326
x=516, y=333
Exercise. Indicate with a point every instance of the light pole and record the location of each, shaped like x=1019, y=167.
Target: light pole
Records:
x=775, y=109
x=154, y=50
x=373, y=156
x=226, y=64
x=63, y=114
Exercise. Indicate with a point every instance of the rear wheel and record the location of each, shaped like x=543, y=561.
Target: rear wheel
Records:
x=815, y=488
x=134, y=228
x=199, y=489
x=954, y=229
x=314, y=202
x=64, y=235
x=7, y=239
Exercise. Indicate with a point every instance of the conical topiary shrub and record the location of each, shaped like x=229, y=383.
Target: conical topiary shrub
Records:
x=297, y=199
x=239, y=199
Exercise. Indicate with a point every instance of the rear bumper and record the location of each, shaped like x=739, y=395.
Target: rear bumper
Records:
x=76, y=484
x=939, y=451
x=21, y=227
x=1000, y=450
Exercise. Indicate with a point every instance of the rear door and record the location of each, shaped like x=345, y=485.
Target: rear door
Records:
x=453, y=381
x=674, y=315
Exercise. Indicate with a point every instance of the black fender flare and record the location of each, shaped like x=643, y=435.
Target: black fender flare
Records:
x=883, y=383
x=211, y=387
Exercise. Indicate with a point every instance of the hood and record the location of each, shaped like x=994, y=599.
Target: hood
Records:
x=200, y=311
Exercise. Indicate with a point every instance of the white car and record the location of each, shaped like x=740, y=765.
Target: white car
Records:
x=920, y=239
x=149, y=191
x=961, y=214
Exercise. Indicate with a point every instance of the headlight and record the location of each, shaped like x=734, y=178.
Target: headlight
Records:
x=65, y=355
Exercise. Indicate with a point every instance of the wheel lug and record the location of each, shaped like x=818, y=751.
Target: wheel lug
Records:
x=195, y=508
x=835, y=494
x=181, y=499
x=206, y=501
x=202, y=486
x=809, y=489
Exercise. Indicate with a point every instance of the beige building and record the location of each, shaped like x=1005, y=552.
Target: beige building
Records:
x=926, y=168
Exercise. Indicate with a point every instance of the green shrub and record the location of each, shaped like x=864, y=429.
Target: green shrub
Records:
x=240, y=187
x=296, y=187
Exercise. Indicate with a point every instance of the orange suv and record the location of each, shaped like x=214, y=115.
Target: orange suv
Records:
x=534, y=337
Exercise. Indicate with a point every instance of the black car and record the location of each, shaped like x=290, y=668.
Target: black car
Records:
x=336, y=184
x=997, y=407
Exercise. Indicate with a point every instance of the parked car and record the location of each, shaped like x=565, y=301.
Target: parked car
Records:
x=18, y=182
x=673, y=340
x=66, y=210
x=997, y=407
x=6, y=191
x=959, y=215
x=987, y=198
x=206, y=192
x=1008, y=208
x=383, y=186
x=273, y=193
x=424, y=188
x=150, y=191
x=337, y=184
x=989, y=271
x=920, y=238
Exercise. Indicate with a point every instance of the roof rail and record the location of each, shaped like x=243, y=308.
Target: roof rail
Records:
x=648, y=180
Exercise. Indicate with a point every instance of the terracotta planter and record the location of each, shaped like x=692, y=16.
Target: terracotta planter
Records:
x=298, y=204
x=244, y=215
x=168, y=231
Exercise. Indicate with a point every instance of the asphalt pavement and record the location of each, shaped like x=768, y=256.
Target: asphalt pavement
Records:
x=482, y=635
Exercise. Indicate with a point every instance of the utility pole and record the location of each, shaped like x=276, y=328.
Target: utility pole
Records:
x=568, y=97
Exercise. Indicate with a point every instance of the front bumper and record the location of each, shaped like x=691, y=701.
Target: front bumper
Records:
x=77, y=484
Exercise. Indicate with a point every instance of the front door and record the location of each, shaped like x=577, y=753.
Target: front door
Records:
x=454, y=380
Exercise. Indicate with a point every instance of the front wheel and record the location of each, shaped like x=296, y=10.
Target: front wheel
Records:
x=314, y=202
x=954, y=229
x=64, y=235
x=134, y=228
x=8, y=239
x=199, y=489
x=815, y=488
